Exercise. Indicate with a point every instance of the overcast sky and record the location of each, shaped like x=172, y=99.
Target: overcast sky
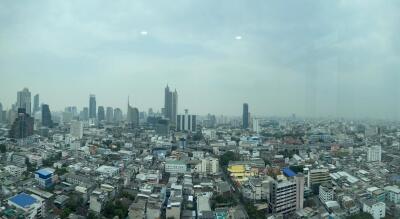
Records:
x=312, y=58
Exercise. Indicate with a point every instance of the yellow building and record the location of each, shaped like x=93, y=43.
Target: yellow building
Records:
x=241, y=172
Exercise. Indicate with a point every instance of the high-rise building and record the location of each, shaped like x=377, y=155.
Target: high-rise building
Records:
x=132, y=116
x=24, y=100
x=374, y=153
x=186, y=122
x=170, y=104
x=100, y=113
x=36, y=107
x=76, y=129
x=22, y=126
x=92, y=106
x=109, y=114
x=84, y=114
x=118, y=115
x=46, y=116
x=245, y=116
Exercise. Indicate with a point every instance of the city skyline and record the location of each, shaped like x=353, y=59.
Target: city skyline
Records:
x=318, y=59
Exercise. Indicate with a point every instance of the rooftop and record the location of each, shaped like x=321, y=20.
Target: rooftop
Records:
x=23, y=200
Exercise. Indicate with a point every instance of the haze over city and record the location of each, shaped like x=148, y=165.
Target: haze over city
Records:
x=325, y=58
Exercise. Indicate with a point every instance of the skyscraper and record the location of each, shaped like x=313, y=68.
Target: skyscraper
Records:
x=100, y=113
x=117, y=115
x=170, y=104
x=46, y=116
x=24, y=100
x=132, y=116
x=109, y=114
x=245, y=116
x=36, y=106
x=92, y=106
x=22, y=126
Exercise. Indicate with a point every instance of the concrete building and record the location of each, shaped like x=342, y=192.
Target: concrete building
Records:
x=393, y=194
x=44, y=177
x=283, y=198
x=175, y=166
x=76, y=129
x=318, y=176
x=186, y=122
x=299, y=191
x=376, y=209
x=15, y=170
x=326, y=192
x=374, y=153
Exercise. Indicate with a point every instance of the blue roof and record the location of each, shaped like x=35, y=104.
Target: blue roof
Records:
x=288, y=172
x=24, y=200
x=44, y=172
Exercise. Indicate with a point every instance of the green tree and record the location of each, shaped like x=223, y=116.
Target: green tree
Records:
x=361, y=215
x=65, y=213
x=228, y=156
x=3, y=148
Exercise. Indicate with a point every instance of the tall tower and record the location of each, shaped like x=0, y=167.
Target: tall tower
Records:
x=170, y=104
x=92, y=106
x=24, y=100
x=174, y=107
x=46, y=116
x=245, y=116
x=36, y=106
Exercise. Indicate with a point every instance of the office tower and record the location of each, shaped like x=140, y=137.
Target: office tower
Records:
x=100, y=113
x=36, y=107
x=22, y=126
x=24, y=100
x=118, y=115
x=84, y=114
x=109, y=114
x=374, y=153
x=76, y=129
x=170, y=104
x=46, y=116
x=92, y=106
x=245, y=116
x=299, y=191
x=186, y=122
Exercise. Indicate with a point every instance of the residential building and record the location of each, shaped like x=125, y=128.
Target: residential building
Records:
x=32, y=205
x=186, y=122
x=376, y=209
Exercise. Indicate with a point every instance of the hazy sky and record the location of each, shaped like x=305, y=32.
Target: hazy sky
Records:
x=315, y=58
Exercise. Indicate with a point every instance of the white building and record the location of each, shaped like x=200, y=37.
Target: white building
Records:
x=374, y=153
x=109, y=171
x=76, y=129
x=393, y=194
x=24, y=100
x=256, y=126
x=326, y=192
x=33, y=206
x=15, y=170
x=175, y=166
x=376, y=209
x=186, y=122
x=207, y=166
